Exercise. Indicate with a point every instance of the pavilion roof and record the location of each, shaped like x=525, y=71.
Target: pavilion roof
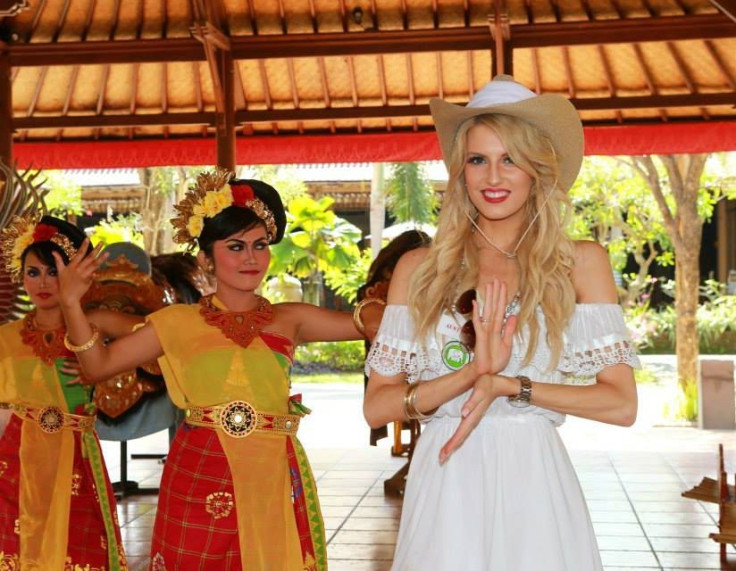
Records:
x=141, y=74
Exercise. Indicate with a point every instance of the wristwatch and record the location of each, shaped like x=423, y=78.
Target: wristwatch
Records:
x=525, y=393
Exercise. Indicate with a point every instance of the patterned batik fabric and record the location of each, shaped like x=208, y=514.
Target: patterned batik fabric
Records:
x=88, y=545
x=196, y=525
x=9, y=479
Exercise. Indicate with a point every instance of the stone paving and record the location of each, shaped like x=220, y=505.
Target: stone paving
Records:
x=632, y=479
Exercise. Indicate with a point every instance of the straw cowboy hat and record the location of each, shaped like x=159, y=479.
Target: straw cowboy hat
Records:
x=553, y=114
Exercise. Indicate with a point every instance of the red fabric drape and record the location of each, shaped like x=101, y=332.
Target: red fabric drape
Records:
x=384, y=147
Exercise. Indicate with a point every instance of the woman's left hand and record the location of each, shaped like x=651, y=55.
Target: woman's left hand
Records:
x=485, y=390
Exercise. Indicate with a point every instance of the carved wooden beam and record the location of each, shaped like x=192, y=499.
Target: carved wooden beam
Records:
x=637, y=30
x=353, y=113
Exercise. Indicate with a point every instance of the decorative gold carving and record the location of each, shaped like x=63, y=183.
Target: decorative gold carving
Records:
x=51, y=419
x=219, y=504
x=238, y=419
x=3, y=467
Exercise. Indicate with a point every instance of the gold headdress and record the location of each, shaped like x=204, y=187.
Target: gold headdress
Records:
x=209, y=196
x=23, y=231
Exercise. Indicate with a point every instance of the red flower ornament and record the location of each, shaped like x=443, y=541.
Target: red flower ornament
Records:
x=44, y=233
x=242, y=194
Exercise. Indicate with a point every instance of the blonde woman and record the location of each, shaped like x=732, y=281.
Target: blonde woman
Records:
x=491, y=485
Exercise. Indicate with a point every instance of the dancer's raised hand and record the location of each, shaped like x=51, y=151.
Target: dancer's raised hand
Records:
x=76, y=277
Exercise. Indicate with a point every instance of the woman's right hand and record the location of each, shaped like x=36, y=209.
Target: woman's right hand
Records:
x=76, y=277
x=493, y=339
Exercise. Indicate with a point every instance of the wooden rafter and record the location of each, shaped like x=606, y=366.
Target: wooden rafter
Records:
x=384, y=90
x=648, y=77
x=354, y=113
x=207, y=32
x=535, y=71
x=669, y=28
x=728, y=7
x=294, y=91
x=37, y=17
x=721, y=64
x=282, y=16
x=471, y=76
x=501, y=33
x=410, y=83
x=686, y=75
x=568, y=71
x=354, y=88
x=325, y=89
x=611, y=84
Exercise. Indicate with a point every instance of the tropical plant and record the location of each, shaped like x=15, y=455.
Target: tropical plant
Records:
x=64, y=197
x=409, y=194
x=121, y=228
x=330, y=356
x=345, y=282
x=316, y=240
x=614, y=207
x=282, y=177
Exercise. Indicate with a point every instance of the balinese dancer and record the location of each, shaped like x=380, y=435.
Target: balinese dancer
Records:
x=237, y=491
x=57, y=509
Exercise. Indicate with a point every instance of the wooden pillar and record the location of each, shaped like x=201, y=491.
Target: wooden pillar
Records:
x=6, y=107
x=226, y=119
x=502, y=60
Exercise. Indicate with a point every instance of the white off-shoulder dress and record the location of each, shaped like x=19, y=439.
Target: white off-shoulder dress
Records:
x=509, y=498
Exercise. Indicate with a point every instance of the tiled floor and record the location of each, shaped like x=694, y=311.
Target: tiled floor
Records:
x=632, y=479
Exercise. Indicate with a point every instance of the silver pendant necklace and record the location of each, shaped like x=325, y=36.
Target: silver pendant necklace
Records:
x=511, y=255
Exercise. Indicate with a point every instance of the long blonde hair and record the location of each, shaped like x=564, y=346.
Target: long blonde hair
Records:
x=545, y=256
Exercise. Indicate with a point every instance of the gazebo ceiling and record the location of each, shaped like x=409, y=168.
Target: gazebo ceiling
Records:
x=125, y=70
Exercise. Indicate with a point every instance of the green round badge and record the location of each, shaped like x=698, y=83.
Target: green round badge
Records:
x=455, y=355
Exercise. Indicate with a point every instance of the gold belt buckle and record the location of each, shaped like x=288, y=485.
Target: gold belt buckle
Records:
x=51, y=419
x=238, y=419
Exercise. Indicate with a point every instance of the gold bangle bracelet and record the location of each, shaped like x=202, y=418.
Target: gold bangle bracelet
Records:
x=410, y=404
x=359, y=325
x=86, y=346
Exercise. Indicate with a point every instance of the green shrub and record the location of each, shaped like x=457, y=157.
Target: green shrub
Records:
x=685, y=404
x=653, y=332
x=329, y=357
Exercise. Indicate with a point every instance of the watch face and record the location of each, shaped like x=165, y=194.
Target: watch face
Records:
x=518, y=403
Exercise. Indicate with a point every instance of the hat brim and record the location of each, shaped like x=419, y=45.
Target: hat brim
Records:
x=552, y=114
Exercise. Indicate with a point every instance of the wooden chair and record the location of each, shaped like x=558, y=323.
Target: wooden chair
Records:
x=724, y=494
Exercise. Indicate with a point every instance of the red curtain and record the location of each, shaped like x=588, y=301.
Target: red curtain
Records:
x=384, y=147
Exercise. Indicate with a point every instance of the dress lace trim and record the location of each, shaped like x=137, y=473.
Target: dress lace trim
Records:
x=595, y=338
